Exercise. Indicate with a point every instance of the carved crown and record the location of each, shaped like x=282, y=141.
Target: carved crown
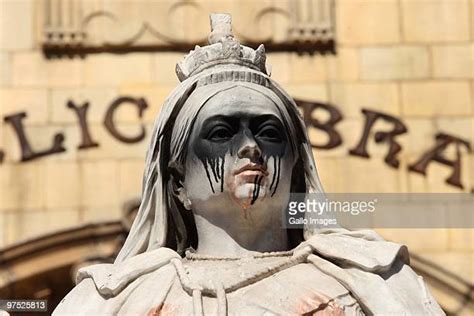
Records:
x=223, y=49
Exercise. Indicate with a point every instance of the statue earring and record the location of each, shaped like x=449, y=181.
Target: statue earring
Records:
x=183, y=197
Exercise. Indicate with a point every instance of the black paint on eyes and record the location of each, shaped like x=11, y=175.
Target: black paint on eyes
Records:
x=221, y=134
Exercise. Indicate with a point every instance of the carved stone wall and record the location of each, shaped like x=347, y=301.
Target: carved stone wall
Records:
x=74, y=27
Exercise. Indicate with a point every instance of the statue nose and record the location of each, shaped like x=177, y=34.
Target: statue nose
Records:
x=251, y=151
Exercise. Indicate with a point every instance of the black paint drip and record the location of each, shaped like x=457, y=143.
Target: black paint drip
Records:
x=256, y=189
x=213, y=163
x=204, y=162
x=217, y=169
x=222, y=174
x=217, y=173
x=274, y=171
x=277, y=172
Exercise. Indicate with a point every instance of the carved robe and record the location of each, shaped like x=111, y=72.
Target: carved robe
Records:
x=347, y=273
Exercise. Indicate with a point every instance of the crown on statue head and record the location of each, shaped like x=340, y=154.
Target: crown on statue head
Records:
x=223, y=49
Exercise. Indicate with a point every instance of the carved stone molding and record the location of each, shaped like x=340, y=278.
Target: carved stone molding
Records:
x=80, y=27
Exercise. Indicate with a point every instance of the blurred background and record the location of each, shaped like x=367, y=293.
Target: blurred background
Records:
x=81, y=82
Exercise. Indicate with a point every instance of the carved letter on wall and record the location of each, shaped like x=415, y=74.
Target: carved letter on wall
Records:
x=109, y=119
x=399, y=128
x=81, y=112
x=27, y=153
x=436, y=154
x=334, y=117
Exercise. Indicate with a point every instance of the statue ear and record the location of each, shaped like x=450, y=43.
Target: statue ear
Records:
x=176, y=172
x=183, y=198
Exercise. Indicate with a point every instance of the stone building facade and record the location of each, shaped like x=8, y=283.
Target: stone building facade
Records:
x=410, y=59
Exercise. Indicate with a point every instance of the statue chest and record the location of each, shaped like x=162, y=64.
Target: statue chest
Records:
x=255, y=287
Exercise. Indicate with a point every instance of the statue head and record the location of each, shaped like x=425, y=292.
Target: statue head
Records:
x=228, y=145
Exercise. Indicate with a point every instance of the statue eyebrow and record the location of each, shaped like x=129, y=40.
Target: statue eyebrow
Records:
x=230, y=119
x=257, y=120
x=235, y=117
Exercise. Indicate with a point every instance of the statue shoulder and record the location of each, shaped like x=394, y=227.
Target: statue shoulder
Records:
x=412, y=288
x=103, y=283
x=111, y=279
x=83, y=298
x=363, y=249
x=373, y=270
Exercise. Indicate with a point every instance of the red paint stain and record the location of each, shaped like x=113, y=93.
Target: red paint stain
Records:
x=163, y=310
x=318, y=304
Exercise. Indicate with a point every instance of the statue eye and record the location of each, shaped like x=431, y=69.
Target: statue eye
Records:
x=220, y=133
x=271, y=133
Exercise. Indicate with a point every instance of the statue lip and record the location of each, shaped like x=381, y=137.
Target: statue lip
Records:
x=252, y=167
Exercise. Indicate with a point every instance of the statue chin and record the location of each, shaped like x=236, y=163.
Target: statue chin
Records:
x=249, y=194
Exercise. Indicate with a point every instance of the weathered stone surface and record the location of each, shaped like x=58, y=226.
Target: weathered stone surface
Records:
x=459, y=127
x=22, y=186
x=436, y=98
x=373, y=171
x=3, y=224
x=360, y=21
x=472, y=15
x=99, y=183
x=33, y=101
x=458, y=261
x=5, y=76
x=311, y=92
x=435, y=21
x=344, y=66
x=110, y=70
x=330, y=169
x=281, y=68
x=63, y=184
x=164, y=65
x=461, y=239
x=32, y=69
x=131, y=171
x=154, y=96
x=16, y=36
x=352, y=98
x=398, y=62
x=32, y=223
x=418, y=240
x=104, y=213
x=453, y=61
x=306, y=68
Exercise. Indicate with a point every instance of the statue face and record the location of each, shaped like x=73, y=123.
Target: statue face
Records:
x=239, y=155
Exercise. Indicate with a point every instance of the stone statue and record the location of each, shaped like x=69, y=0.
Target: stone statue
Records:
x=227, y=149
